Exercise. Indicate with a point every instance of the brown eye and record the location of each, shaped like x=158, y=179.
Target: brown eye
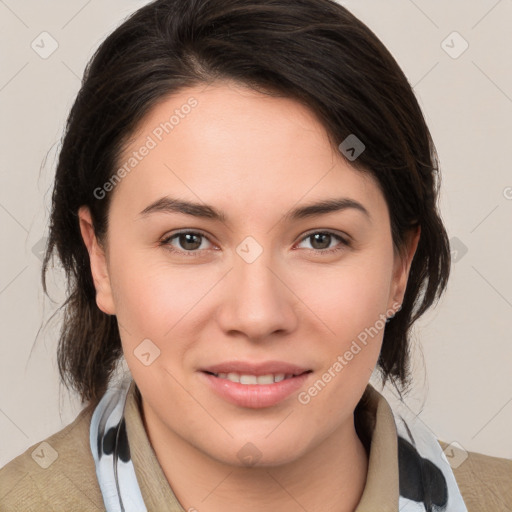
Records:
x=321, y=239
x=321, y=242
x=187, y=243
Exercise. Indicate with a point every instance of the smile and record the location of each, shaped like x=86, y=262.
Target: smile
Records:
x=254, y=379
x=255, y=391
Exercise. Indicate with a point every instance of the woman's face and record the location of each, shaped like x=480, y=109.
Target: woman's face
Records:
x=288, y=299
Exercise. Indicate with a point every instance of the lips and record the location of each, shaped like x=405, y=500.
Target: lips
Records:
x=255, y=385
x=257, y=369
x=248, y=379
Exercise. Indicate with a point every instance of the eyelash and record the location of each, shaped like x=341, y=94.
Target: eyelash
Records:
x=342, y=246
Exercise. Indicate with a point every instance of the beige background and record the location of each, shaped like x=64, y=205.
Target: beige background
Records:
x=463, y=349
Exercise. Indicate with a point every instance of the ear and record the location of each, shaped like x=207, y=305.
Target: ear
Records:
x=97, y=257
x=402, y=267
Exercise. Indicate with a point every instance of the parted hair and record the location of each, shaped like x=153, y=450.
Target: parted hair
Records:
x=313, y=51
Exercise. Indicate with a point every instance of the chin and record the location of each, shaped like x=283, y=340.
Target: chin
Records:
x=259, y=453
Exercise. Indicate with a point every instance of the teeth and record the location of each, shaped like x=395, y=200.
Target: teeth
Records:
x=248, y=379
x=255, y=379
x=265, y=379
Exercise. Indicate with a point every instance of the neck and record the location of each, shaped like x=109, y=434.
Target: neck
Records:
x=329, y=478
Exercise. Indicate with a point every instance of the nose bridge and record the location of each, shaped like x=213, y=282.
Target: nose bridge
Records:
x=256, y=277
x=254, y=272
x=259, y=302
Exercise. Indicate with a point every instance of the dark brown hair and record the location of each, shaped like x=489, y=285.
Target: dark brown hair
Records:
x=313, y=51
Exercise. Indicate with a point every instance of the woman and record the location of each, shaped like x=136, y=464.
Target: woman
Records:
x=245, y=206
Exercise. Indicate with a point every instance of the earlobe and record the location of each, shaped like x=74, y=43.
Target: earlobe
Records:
x=403, y=265
x=98, y=261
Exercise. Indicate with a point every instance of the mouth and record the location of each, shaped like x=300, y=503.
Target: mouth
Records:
x=249, y=379
x=255, y=386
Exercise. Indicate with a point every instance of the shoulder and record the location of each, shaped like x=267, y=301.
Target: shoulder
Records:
x=485, y=482
x=55, y=474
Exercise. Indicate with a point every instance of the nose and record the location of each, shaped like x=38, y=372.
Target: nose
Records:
x=257, y=301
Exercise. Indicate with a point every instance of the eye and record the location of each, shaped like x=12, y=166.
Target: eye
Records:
x=321, y=240
x=189, y=242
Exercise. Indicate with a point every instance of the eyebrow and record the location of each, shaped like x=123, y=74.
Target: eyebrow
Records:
x=172, y=205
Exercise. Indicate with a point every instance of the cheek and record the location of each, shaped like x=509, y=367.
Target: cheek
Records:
x=351, y=296
x=150, y=296
x=146, y=285
x=152, y=304
x=350, y=301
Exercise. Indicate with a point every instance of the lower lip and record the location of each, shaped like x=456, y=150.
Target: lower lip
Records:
x=255, y=396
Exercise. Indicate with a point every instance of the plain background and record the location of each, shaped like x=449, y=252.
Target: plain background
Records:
x=462, y=349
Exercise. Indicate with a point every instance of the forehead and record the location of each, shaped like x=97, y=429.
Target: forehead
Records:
x=231, y=146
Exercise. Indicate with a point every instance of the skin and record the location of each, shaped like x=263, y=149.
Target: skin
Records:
x=294, y=303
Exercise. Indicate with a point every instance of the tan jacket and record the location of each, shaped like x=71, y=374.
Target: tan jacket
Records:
x=58, y=474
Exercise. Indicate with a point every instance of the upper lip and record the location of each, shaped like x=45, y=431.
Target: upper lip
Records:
x=263, y=368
